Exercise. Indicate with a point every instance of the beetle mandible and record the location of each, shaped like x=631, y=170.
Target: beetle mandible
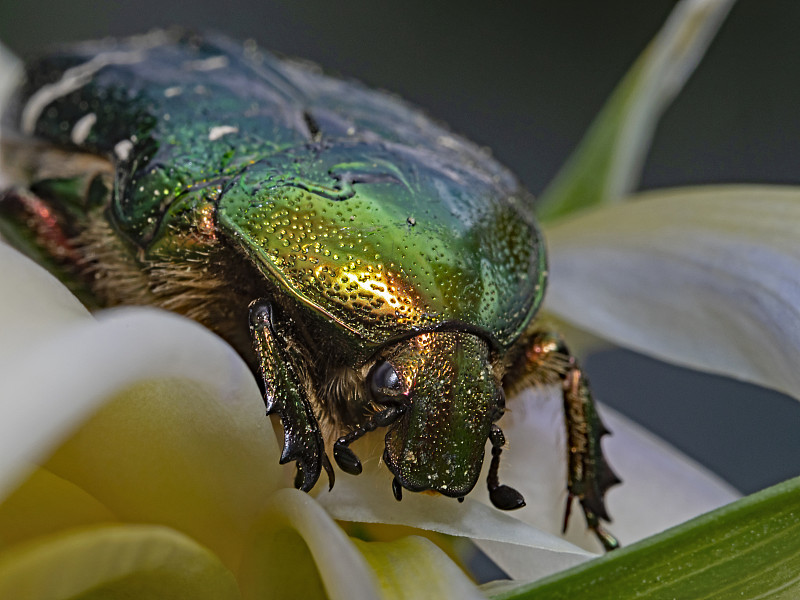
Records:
x=375, y=270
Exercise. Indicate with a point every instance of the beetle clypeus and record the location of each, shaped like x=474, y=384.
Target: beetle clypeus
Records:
x=390, y=270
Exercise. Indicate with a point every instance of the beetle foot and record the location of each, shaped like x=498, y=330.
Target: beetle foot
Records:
x=302, y=478
x=307, y=456
x=607, y=539
x=502, y=496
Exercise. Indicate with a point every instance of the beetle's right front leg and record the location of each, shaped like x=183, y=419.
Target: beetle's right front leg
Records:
x=285, y=394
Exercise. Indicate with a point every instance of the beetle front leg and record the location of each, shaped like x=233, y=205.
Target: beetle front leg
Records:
x=41, y=232
x=285, y=395
x=548, y=360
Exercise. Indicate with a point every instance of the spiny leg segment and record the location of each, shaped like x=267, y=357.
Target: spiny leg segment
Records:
x=284, y=394
x=548, y=360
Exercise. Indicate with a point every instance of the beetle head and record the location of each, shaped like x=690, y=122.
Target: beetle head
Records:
x=450, y=396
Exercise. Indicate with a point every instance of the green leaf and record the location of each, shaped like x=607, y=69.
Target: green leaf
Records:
x=748, y=549
x=607, y=163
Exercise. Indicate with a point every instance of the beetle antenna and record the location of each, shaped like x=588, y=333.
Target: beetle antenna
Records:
x=502, y=496
x=346, y=458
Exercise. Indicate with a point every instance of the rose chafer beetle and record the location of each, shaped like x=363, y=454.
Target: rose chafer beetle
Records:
x=375, y=270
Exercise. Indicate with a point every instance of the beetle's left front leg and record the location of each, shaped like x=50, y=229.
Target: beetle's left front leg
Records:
x=546, y=359
x=285, y=394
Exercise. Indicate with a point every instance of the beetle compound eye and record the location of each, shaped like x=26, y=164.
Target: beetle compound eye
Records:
x=385, y=385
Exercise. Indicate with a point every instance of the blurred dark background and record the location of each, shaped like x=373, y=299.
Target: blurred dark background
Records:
x=526, y=79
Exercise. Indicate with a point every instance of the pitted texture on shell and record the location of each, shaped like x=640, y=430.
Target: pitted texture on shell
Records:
x=386, y=240
x=439, y=442
x=356, y=204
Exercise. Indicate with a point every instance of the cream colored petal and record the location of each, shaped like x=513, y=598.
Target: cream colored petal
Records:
x=660, y=488
x=33, y=304
x=46, y=504
x=702, y=277
x=298, y=551
x=149, y=413
x=141, y=561
x=368, y=498
x=414, y=568
x=607, y=164
x=173, y=452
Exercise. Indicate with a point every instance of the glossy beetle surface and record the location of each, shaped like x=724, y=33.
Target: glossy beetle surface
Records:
x=390, y=270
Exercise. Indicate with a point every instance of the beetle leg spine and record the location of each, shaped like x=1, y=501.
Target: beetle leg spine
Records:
x=545, y=359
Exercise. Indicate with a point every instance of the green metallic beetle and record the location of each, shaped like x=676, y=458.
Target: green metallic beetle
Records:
x=375, y=270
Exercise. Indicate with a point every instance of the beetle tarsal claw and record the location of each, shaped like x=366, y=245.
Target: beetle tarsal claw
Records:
x=299, y=477
x=307, y=474
x=608, y=541
x=326, y=464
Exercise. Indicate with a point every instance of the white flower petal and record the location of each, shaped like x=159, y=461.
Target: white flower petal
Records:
x=57, y=384
x=46, y=504
x=33, y=304
x=177, y=453
x=368, y=498
x=660, y=488
x=135, y=373
x=703, y=277
x=10, y=71
x=414, y=568
x=111, y=561
x=292, y=530
x=607, y=163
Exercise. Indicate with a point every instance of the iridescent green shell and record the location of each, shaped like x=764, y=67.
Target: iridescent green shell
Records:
x=375, y=219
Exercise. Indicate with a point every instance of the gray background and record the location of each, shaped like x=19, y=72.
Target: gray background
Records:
x=526, y=79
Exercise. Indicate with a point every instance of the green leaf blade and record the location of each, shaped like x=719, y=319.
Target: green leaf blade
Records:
x=607, y=163
x=749, y=549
